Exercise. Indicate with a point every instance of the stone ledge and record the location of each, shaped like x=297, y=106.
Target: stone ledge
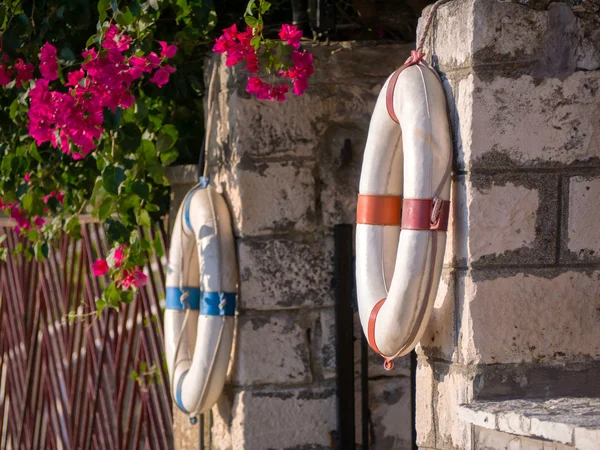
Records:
x=568, y=420
x=186, y=174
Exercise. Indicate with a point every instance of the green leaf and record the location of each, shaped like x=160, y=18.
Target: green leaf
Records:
x=140, y=109
x=112, y=178
x=133, y=375
x=183, y=9
x=250, y=7
x=129, y=202
x=142, y=189
x=147, y=151
x=129, y=137
x=35, y=154
x=112, y=120
x=125, y=18
x=40, y=250
x=126, y=296
x=152, y=208
x=158, y=247
x=112, y=296
x=106, y=208
x=14, y=109
x=3, y=238
x=251, y=21
x=100, y=305
x=169, y=157
x=167, y=137
x=27, y=202
x=33, y=235
x=116, y=230
x=255, y=42
x=114, y=5
x=264, y=7
x=102, y=7
x=3, y=254
x=73, y=227
x=144, y=219
x=135, y=8
x=67, y=54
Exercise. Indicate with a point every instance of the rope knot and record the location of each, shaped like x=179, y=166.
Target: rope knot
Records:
x=416, y=56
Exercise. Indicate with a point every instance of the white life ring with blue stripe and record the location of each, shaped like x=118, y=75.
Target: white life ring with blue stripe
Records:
x=202, y=279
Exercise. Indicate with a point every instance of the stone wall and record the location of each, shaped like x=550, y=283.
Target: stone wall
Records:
x=518, y=314
x=290, y=172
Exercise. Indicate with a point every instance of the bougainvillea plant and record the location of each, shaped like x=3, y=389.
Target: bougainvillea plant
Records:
x=281, y=60
x=96, y=99
x=88, y=122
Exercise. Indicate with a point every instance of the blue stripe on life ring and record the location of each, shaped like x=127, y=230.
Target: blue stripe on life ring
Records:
x=178, y=392
x=209, y=303
x=192, y=300
x=186, y=208
x=218, y=303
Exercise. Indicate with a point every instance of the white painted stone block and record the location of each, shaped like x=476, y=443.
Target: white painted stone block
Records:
x=584, y=216
x=528, y=317
x=501, y=218
x=274, y=198
x=425, y=405
x=284, y=273
x=271, y=349
x=529, y=122
x=438, y=339
x=496, y=440
x=283, y=419
x=454, y=387
x=389, y=401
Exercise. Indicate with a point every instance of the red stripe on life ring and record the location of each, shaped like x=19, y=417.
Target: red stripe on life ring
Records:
x=379, y=209
x=425, y=214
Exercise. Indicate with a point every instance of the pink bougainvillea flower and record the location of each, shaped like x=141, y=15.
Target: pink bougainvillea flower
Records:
x=27, y=178
x=126, y=280
x=100, y=267
x=139, y=278
x=265, y=91
x=278, y=92
x=252, y=62
x=119, y=255
x=237, y=46
x=153, y=59
x=74, y=78
x=299, y=73
x=258, y=88
x=60, y=197
x=24, y=72
x=113, y=40
x=5, y=75
x=48, y=62
x=227, y=40
x=291, y=34
x=168, y=51
x=161, y=76
x=38, y=221
x=18, y=215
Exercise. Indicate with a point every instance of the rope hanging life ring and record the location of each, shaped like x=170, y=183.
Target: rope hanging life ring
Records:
x=403, y=209
x=202, y=278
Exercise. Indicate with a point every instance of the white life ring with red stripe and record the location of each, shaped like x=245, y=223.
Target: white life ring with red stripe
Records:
x=403, y=209
x=202, y=278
